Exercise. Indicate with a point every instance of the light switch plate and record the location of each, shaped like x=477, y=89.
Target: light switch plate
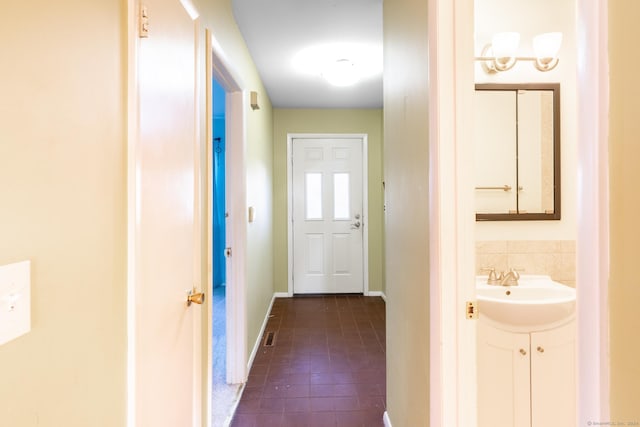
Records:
x=15, y=300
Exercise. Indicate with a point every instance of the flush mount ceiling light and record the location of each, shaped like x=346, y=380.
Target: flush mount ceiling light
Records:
x=500, y=54
x=341, y=73
x=340, y=64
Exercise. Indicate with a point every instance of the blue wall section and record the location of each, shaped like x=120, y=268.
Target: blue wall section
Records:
x=219, y=209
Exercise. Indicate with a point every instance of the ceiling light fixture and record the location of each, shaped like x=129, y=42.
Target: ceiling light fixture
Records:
x=340, y=64
x=341, y=73
x=500, y=54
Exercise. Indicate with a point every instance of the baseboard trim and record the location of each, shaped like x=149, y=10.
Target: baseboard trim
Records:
x=281, y=295
x=262, y=328
x=229, y=420
x=377, y=294
x=386, y=419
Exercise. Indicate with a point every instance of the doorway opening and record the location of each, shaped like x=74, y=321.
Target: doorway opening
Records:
x=224, y=394
x=226, y=368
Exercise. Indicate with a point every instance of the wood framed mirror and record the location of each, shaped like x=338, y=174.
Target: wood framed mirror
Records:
x=517, y=151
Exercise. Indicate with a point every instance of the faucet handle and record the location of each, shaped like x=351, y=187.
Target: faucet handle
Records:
x=492, y=279
x=516, y=272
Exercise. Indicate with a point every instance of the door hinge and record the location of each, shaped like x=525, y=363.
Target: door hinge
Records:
x=472, y=310
x=227, y=252
x=143, y=19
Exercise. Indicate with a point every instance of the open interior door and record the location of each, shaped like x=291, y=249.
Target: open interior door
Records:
x=165, y=359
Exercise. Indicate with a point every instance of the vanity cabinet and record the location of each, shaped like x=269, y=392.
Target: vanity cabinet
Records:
x=526, y=378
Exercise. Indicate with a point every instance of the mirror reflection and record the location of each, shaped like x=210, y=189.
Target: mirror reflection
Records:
x=517, y=151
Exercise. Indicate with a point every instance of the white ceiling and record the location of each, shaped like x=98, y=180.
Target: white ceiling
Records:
x=276, y=30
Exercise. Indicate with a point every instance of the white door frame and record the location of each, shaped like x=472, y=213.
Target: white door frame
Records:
x=593, y=204
x=219, y=67
x=365, y=201
x=452, y=222
x=453, y=367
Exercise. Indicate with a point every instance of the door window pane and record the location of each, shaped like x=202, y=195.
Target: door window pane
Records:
x=341, y=208
x=313, y=195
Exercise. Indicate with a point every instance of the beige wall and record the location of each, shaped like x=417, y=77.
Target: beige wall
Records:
x=329, y=121
x=624, y=286
x=406, y=162
x=63, y=182
x=532, y=17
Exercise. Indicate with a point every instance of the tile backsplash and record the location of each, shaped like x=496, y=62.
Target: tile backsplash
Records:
x=555, y=258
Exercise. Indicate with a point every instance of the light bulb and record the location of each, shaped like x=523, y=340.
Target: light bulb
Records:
x=546, y=47
x=504, y=47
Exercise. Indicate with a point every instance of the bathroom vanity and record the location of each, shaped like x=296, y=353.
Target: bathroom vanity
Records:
x=526, y=368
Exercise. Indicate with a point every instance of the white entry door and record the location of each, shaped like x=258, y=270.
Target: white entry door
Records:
x=327, y=215
x=166, y=368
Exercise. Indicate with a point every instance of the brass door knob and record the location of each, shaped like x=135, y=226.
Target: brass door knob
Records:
x=195, y=297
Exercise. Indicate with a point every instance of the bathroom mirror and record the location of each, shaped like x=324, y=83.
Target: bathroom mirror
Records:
x=517, y=151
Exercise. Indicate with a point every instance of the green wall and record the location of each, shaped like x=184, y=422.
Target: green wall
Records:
x=366, y=121
x=217, y=16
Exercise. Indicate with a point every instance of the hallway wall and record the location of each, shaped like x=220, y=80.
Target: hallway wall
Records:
x=368, y=121
x=63, y=179
x=63, y=187
x=217, y=15
x=624, y=150
x=406, y=163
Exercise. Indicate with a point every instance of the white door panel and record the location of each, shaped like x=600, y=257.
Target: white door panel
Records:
x=327, y=215
x=165, y=366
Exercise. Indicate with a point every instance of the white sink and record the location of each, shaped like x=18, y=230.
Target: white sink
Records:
x=536, y=303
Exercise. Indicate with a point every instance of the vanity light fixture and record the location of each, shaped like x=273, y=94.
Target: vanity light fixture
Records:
x=500, y=54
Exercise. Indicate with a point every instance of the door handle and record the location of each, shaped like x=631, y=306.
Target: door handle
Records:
x=195, y=297
x=355, y=225
x=227, y=252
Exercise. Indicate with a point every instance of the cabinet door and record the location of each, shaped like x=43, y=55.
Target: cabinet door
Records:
x=553, y=377
x=503, y=378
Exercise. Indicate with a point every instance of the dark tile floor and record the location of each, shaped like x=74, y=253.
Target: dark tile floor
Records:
x=326, y=366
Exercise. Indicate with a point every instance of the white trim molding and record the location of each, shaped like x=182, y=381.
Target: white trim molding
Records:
x=386, y=419
x=592, y=305
x=256, y=346
x=377, y=294
x=219, y=68
x=452, y=258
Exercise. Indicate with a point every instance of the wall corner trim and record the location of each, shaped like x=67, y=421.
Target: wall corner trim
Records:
x=377, y=294
x=386, y=419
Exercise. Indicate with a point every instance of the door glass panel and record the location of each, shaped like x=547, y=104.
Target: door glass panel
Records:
x=341, y=208
x=313, y=195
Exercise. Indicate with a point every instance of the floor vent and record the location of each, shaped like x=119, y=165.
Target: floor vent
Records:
x=270, y=339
